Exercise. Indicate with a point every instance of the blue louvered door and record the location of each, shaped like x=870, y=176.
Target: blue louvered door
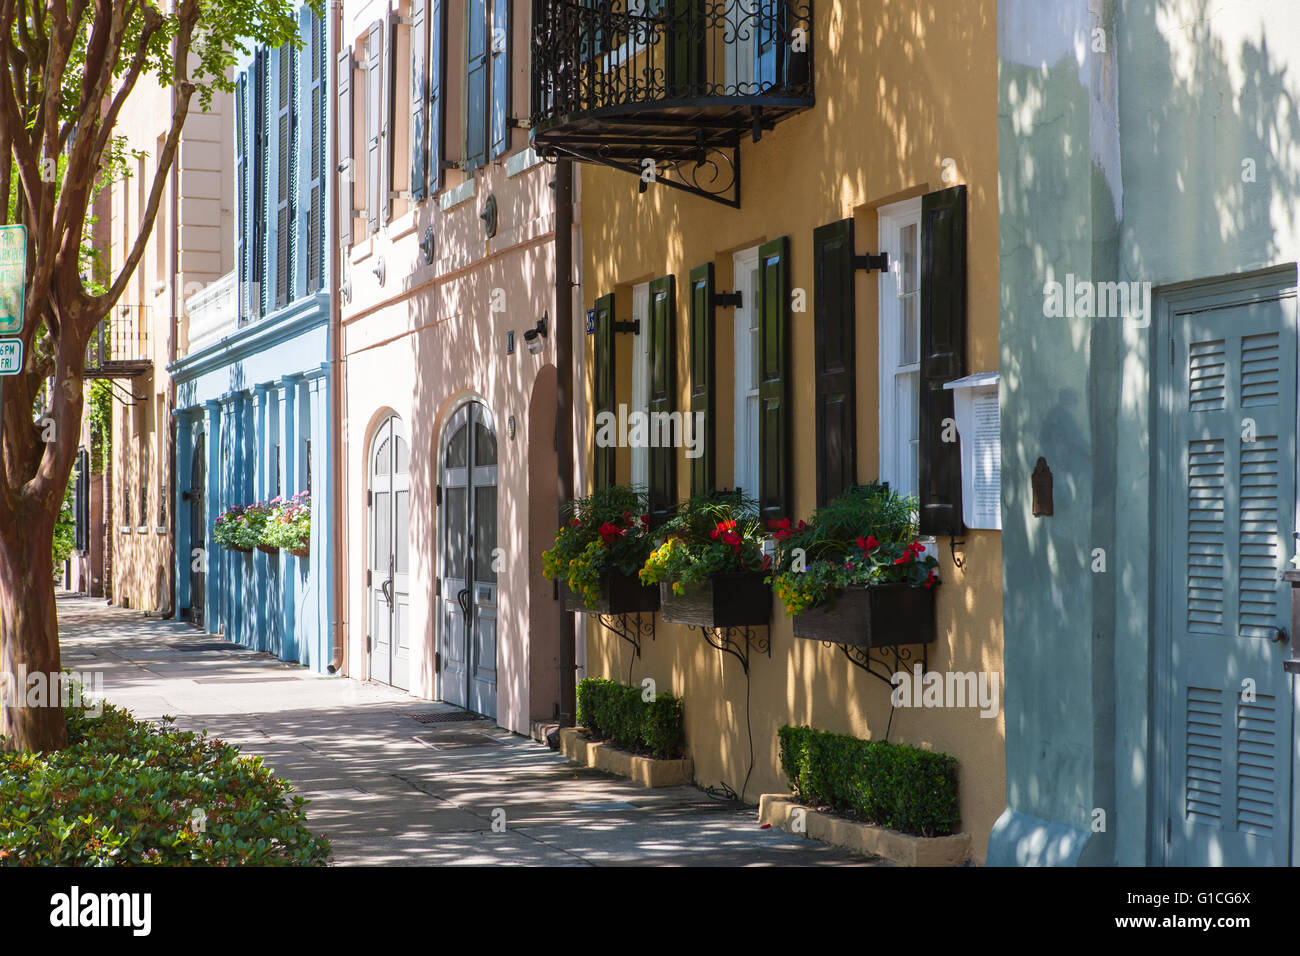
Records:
x=1228, y=489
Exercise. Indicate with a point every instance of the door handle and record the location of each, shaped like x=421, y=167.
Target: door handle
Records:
x=387, y=589
x=462, y=598
x=1280, y=635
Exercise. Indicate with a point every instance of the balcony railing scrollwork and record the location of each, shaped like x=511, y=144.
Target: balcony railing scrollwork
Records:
x=119, y=346
x=666, y=89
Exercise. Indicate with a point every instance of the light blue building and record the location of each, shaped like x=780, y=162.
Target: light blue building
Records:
x=253, y=389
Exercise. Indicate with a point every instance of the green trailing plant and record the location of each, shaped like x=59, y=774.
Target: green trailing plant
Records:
x=65, y=528
x=99, y=412
x=126, y=792
x=288, y=523
x=618, y=712
x=240, y=527
x=892, y=785
x=710, y=534
x=865, y=537
x=605, y=531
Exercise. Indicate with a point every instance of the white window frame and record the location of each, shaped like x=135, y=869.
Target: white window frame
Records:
x=640, y=454
x=745, y=455
x=893, y=220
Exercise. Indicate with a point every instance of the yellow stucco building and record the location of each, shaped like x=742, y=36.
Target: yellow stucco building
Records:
x=890, y=148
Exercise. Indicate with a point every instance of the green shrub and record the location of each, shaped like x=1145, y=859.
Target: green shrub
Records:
x=125, y=792
x=893, y=785
x=613, y=711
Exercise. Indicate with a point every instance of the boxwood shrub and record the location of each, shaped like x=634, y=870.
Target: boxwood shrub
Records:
x=613, y=711
x=125, y=792
x=892, y=785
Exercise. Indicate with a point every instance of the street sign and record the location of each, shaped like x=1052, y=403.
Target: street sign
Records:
x=11, y=356
x=13, y=278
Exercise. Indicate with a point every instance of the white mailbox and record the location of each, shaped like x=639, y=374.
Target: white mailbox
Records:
x=979, y=427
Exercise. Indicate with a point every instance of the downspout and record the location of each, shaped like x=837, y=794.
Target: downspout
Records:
x=335, y=381
x=173, y=348
x=564, y=410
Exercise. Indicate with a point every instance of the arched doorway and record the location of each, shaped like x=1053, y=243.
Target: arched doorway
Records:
x=388, y=566
x=198, y=530
x=467, y=632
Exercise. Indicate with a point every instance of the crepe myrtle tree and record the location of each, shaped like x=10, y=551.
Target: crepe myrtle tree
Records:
x=68, y=69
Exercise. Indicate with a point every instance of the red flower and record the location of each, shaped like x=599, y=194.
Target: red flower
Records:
x=609, y=532
x=645, y=521
x=929, y=578
x=767, y=562
x=868, y=543
x=574, y=523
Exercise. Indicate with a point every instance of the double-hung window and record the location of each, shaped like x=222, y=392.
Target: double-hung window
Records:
x=745, y=329
x=900, y=346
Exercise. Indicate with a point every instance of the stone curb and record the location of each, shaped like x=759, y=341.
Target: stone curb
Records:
x=647, y=771
x=780, y=810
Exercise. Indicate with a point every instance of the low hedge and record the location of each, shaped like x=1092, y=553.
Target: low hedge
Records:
x=892, y=785
x=125, y=792
x=614, y=711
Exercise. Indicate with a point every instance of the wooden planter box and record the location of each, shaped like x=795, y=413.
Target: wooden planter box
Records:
x=735, y=599
x=883, y=615
x=268, y=549
x=619, y=594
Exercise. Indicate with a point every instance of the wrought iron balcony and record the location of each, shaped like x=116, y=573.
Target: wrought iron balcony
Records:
x=676, y=82
x=119, y=347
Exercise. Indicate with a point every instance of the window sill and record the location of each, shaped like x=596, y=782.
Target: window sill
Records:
x=456, y=195
x=124, y=529
x=142, y=529
x=521, y=162
x=160, y=530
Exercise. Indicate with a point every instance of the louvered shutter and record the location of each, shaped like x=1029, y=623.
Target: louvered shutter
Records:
x=314, y=99
x=437, y=69
x=834, y=344
x=476, y=85
x=943, y=355
x=388, y=118
x=261, y=161
x=604, y=386
x=374, y=111
x=774, y=492
x=500, y=133
x=703, y=468
x=663, y=460
x=419, y=97
x=283, y=61
x=343, y=123
x=243, y=198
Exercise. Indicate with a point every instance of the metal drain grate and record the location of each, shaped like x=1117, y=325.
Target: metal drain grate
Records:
x=195, y=647
x=447, y=717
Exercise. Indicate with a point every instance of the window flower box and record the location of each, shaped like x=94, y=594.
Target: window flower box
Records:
x=726, y=599
x=879, y=615
x=619, y=594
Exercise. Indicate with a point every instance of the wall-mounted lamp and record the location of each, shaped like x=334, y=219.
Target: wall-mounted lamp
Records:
x=426, y=245
x=534, y=336
x=510, y=342
x=489, y=215
x=510, y=427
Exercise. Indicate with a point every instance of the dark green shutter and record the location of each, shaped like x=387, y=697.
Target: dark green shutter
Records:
x=343, y=121
x=437, y=71
x=477, y=52
x=703, y=469
x=686, y=35
x=419, y=98
x=774, y=498
x=663, y=461
x=834, y=344
x=500, y=134
x=374, y=110
x=604, y=386
x=943, y=354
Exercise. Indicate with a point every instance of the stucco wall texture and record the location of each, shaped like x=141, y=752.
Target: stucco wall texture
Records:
x=900, y=88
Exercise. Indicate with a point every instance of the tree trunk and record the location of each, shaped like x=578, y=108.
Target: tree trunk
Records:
x=29, y=639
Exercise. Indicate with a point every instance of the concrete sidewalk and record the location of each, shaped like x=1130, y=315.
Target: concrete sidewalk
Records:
x=388, y=790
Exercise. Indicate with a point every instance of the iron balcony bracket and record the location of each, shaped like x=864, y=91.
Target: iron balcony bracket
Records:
x=630, y=627
x=718, y=178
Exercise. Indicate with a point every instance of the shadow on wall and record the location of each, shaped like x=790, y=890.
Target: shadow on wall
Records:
x=1188, y=118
